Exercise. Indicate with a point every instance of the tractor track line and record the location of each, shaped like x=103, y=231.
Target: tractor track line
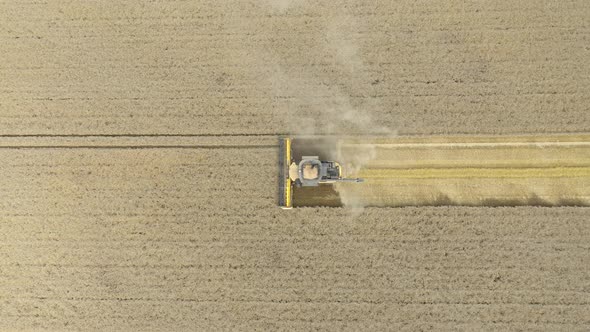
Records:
x=139, y=147
x=139, y=135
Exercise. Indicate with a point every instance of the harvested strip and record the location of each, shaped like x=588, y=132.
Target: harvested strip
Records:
x=547, y=170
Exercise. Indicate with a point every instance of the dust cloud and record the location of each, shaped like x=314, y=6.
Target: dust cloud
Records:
x=340, y=110
x=318, y=108
x=280, y=6
x=352, y=119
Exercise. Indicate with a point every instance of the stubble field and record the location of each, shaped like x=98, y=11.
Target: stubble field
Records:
x=138, y=164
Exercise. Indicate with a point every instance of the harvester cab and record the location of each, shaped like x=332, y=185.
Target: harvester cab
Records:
x=310, y=171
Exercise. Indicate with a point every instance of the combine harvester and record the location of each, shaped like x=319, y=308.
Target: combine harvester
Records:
x=539, y=170
x=305, y=171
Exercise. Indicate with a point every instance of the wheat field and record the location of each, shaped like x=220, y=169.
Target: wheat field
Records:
x=138, y=163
